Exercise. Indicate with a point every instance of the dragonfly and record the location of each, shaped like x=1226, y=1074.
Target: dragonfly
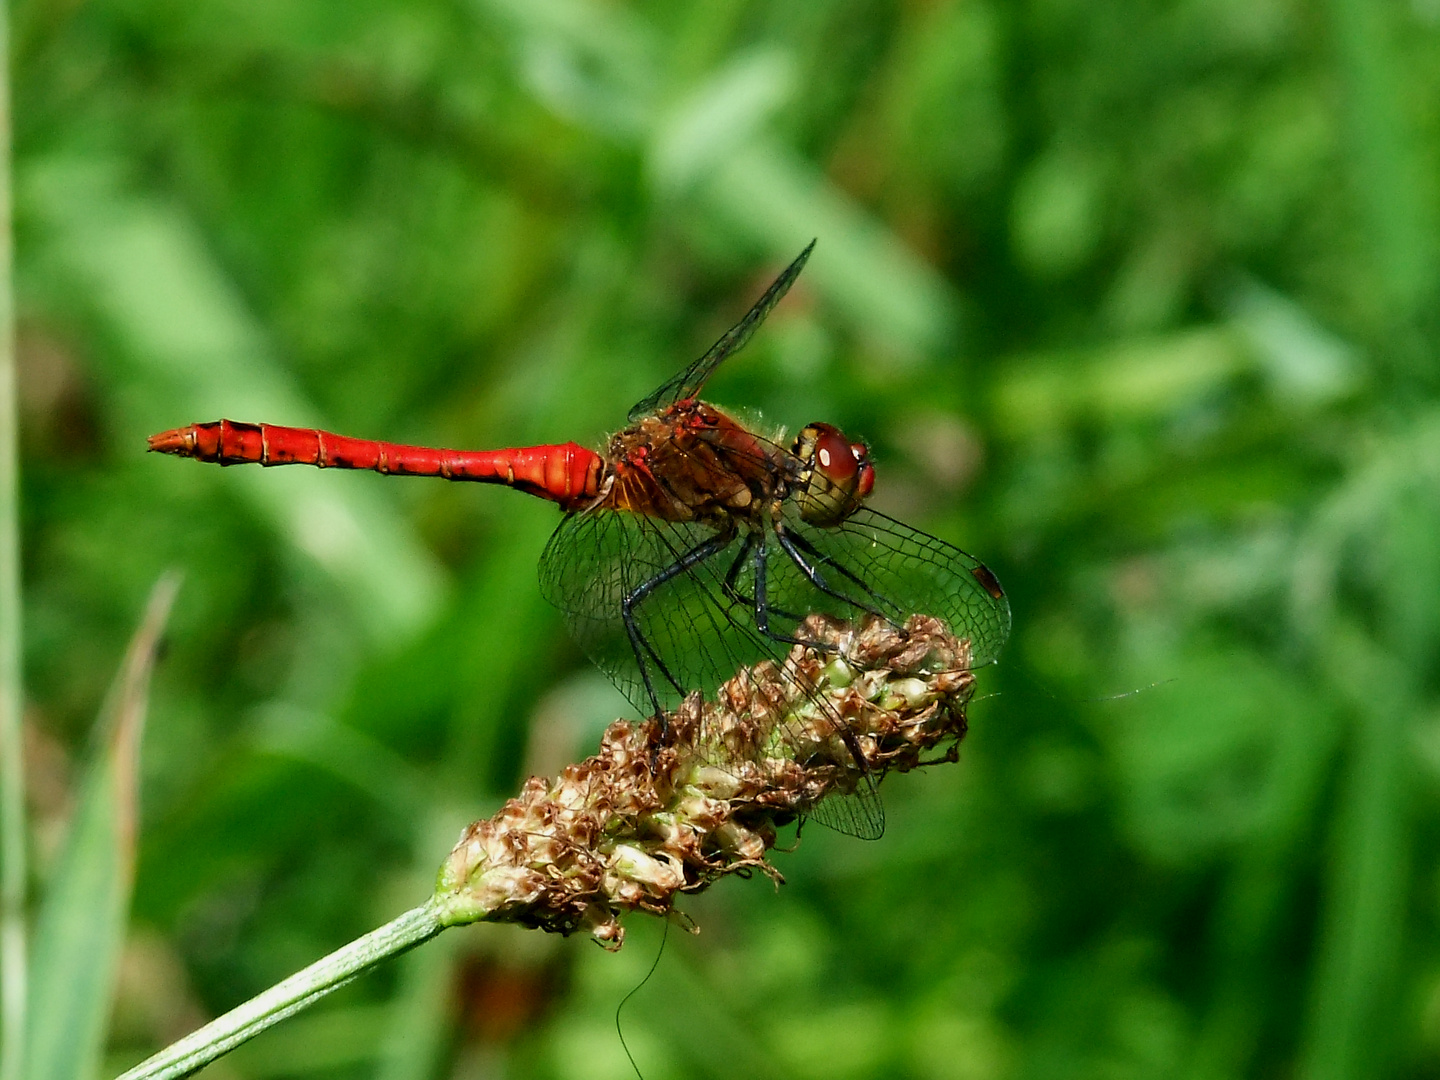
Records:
x=694, y=545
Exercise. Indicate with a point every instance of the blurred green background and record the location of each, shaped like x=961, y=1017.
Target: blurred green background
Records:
x=1135, y=301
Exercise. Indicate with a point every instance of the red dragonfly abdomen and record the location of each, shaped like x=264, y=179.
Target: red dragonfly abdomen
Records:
x=566, y=473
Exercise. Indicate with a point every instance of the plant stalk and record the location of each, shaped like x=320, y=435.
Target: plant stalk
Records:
x=286, y=998
x=655, y=815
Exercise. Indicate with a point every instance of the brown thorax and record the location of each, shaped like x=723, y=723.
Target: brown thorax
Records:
x=694, y=462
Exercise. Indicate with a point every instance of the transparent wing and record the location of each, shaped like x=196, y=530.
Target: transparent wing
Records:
x=695, y=630
x=688, y=382
x=594, y=560
x=871, y=562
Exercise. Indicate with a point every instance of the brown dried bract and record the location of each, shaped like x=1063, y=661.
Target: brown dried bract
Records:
x=640, y=823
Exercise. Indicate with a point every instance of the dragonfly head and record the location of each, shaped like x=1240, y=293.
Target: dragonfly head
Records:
x=835, y=477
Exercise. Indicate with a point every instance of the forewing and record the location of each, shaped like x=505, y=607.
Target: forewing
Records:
x=698, y=630
x=689, y=382
x=872, y=562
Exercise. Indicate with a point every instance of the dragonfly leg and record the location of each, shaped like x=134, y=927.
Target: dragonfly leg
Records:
x=732, y=589
x=763, y=610
x=762, y=623
x=797, y=547
x=643, y=649
x=729, y=586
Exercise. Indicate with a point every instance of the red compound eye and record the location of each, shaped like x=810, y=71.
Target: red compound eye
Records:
x=867, y=471
x=835, y=459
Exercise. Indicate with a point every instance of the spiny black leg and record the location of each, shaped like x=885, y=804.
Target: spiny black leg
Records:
x=847, y=736
x=793, y=544
x=643, y=648
x=763, y=608
x=732, y=575
x=688, y=561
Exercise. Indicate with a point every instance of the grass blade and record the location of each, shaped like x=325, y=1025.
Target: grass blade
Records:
x=1360, y=941
x=1383, y=155
x=82, y=919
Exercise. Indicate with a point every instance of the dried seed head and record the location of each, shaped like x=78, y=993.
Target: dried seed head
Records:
x=643, y=821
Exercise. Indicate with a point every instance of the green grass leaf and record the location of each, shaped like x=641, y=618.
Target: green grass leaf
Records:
x=82, y=920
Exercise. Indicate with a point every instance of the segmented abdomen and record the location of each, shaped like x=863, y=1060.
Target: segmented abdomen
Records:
x=566, y=473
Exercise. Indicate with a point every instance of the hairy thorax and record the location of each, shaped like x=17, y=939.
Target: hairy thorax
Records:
x=692, y=462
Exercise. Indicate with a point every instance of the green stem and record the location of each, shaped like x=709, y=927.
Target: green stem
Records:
x=12, y=774
x=284, y=999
